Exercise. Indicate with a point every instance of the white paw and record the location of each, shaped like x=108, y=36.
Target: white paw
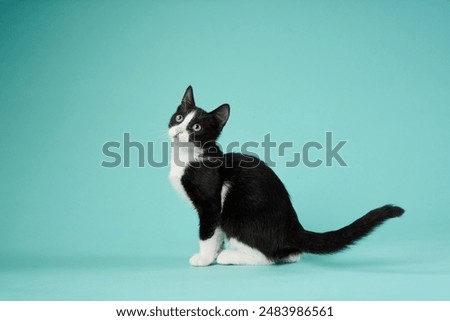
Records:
x=234, y=257
x=200, y=260
x=226, y=257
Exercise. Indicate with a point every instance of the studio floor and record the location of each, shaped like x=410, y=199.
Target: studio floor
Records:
x=364, y=273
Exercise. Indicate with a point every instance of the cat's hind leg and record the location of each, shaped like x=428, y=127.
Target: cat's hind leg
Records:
x=242, y=254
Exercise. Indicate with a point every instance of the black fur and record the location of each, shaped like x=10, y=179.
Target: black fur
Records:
x=257, y=210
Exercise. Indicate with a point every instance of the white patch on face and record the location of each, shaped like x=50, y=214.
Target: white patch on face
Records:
x=182, y=154
x=181, y=128
x=224, y=192
x=242, y=254
x=209, y=249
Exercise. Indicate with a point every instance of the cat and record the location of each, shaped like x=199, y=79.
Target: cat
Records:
x=239, y=197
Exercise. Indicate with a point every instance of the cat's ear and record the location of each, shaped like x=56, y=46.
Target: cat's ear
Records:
x=188, y=98
x=221, y=113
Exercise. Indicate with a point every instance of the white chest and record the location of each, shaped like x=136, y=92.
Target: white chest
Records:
x=180, y=160
x=175, y=175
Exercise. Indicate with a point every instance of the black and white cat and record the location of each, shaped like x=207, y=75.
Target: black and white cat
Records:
x=239, y=197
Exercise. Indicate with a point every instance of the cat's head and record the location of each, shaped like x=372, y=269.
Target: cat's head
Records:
x=192, y=124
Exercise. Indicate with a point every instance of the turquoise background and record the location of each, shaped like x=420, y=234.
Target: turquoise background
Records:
x=77, y=74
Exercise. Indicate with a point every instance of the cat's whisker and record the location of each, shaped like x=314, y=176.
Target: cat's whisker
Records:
x=159, y=136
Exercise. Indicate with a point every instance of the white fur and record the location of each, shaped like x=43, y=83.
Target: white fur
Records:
x=181, y=127
x=181, y=155
x=293, y=258
x=209, y=249
x=242, y=254
x=224, y=192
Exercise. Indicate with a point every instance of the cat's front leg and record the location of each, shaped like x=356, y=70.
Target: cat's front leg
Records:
x=210, y=248
x=203, y=188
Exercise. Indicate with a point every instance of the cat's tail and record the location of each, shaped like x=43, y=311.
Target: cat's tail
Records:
x=335, y=241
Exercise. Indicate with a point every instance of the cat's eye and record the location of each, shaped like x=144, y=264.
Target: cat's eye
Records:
x=179, y=118
x=196, y=127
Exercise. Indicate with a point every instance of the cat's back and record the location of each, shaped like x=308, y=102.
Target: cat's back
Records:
x=247, y=171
